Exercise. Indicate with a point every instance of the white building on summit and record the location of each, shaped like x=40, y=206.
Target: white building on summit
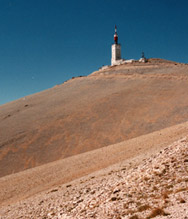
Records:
x=116, y=54
x=116, y=51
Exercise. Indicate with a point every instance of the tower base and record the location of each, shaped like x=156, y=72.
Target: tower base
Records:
x=116, y=54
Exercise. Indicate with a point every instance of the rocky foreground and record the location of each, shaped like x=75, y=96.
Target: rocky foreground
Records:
x=157, y=188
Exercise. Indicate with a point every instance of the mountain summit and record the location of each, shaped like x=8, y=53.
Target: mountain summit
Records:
x=85, y=113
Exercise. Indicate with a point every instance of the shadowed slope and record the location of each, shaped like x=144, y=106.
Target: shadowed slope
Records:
x=83, y=114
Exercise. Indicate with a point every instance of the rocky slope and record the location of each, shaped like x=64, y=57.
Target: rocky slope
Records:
x=16, y=187
x=156, y=188
x=87, y=113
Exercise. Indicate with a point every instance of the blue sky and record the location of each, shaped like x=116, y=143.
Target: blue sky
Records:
x=45, y=42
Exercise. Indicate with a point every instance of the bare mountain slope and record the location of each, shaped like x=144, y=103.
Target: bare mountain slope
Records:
x=152, y=183
x=86, y=113
x=130, y=153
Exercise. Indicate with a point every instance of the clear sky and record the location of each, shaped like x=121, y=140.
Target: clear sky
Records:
x=45, y=42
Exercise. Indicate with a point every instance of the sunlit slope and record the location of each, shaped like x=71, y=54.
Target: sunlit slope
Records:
x=86, y=113
x=128, y=153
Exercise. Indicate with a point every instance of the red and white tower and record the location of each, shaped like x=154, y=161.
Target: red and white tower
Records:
x=116, y=36
x=116, y=50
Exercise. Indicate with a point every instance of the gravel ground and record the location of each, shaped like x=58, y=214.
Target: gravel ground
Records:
x=156, y=188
